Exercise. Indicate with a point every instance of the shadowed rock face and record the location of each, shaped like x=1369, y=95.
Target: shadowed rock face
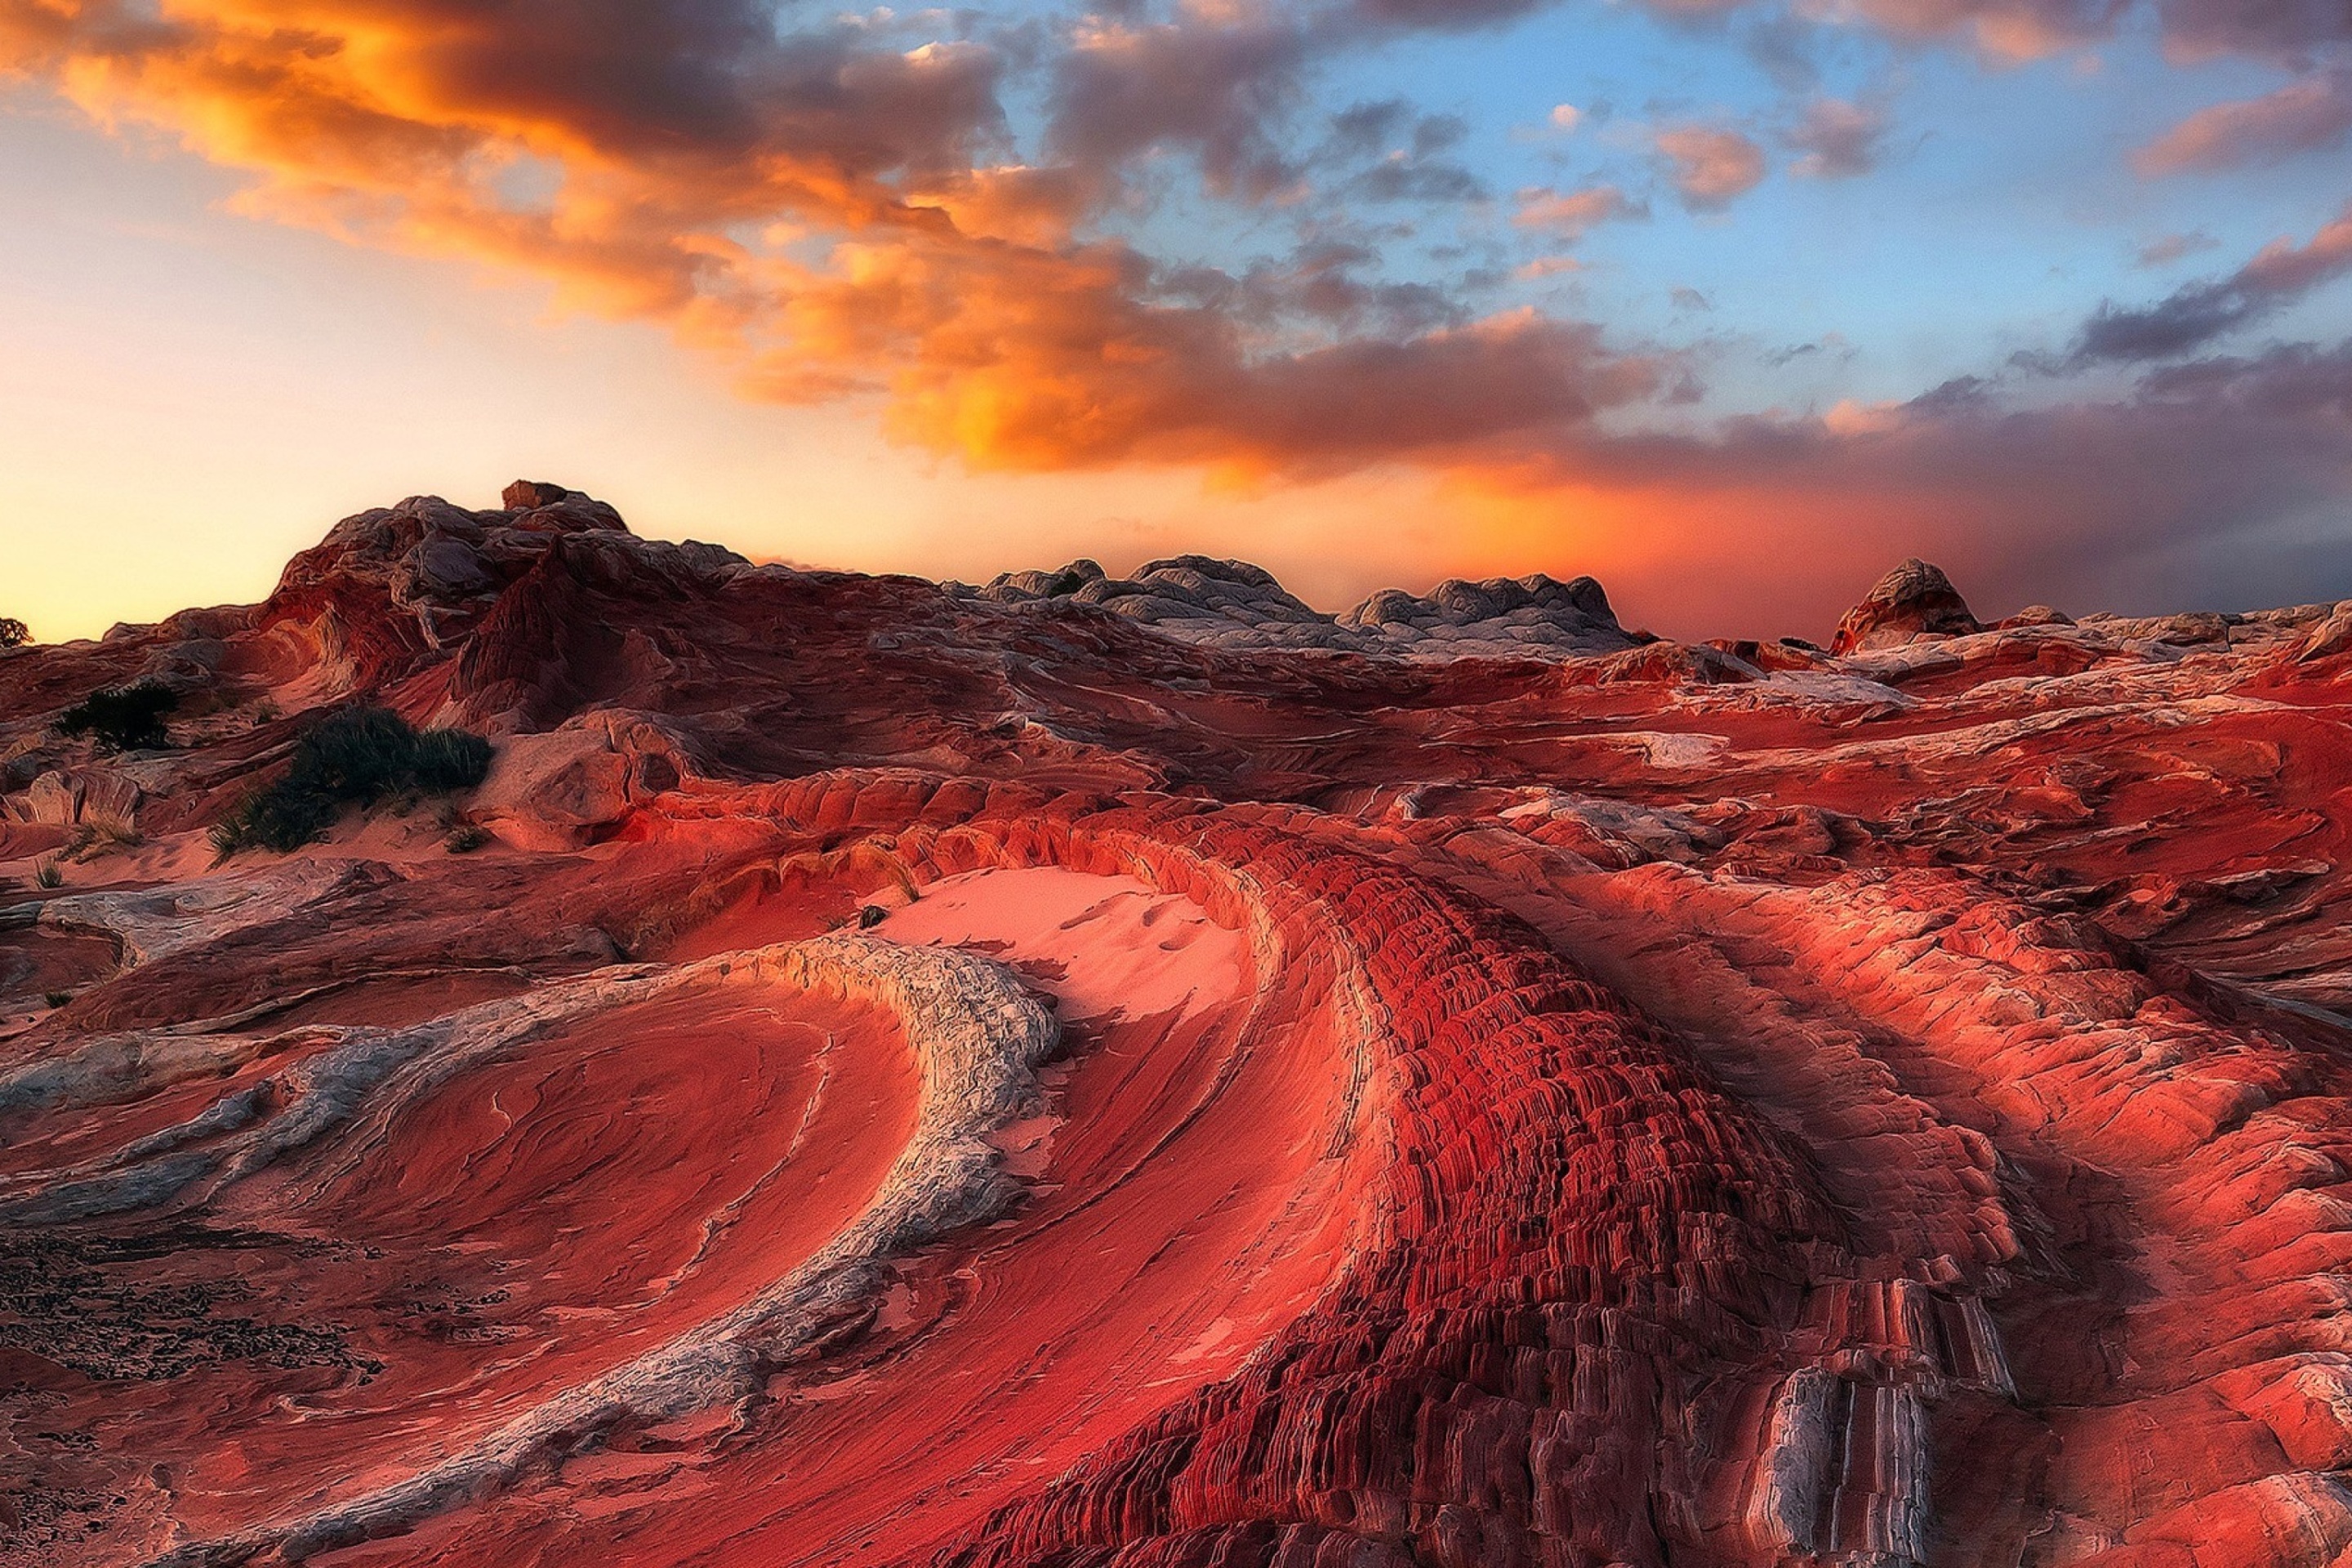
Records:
x=1080, y=1072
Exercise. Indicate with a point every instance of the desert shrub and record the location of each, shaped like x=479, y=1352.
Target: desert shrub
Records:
x=46, y=875
x=123, y=718
x=14, y=633
x=57, y=999
x=358, y=756
x=447, y=760
x=464, y=840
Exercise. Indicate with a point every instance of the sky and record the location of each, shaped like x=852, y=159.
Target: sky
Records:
x=1730, y=303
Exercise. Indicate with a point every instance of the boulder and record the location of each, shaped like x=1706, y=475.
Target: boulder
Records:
x=55, y=800
x=1914, y=600
x=559, y=790
x=523, y=495
x=2330, y=638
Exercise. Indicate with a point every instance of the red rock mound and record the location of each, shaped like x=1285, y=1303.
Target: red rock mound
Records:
x=1912, y=601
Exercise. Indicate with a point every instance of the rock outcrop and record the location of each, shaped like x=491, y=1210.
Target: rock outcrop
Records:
x=1235, y=605
x=1105, y=1073
x=1520, y=614
x=1914, y=600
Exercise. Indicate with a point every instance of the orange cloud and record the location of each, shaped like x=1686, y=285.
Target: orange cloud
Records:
x=825, y=210
x=1713, y=165
x=1569, y=213
x=2305, y=115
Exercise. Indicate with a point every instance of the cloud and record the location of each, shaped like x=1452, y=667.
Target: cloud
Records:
x=1784, y=44
x=1713, y=165
x=2167, y=249
x=1216, y=87
x=2308, y=115
x=2286, y=32
x=2004, y=30
x=1566, y=116
x=1020, y=384
x=1442, y=15
x=2197, y=314
x=1566, y=214
x=1839, y=140
x=832, y=210
x=2283, y=31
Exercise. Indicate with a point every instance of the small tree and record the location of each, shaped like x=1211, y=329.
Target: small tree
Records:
x=123, y=718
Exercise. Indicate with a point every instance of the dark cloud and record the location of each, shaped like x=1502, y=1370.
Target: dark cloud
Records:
x=2168, y=249
x=1217, y=89
x=1406, y=147
x=1435, y=133
x=2292, y=380
x=1415, y=180
x=1783, y=45
x=2289, y=32
x=2284, y=30
x=1366, y=130
x=1839, y=140
x=1324, y=281
x=2199, y=314
x=1442, y=15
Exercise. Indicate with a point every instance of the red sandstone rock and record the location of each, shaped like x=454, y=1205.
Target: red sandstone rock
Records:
x=1722, y=1104
x=1914, y=600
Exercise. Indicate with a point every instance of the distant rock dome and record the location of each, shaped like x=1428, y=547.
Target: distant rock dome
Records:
x=1916, y=600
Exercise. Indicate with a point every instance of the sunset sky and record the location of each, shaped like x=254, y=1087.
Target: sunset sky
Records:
x=1730, y=302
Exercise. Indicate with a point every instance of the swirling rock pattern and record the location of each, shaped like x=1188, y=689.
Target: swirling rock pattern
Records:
x=943, y=1076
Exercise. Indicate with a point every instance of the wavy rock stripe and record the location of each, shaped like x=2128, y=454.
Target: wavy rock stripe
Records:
x=1935, y=1045
x=1562, y=1200
x=976, y=1036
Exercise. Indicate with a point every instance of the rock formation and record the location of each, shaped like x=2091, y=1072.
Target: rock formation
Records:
x=1914, y=600
x=1235, y=605
x=1105, y=1073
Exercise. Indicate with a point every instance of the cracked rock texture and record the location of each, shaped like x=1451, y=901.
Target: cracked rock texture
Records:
x=1101, y=1073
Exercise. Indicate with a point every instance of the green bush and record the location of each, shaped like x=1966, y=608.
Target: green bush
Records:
x=123, y=718
x=358, y=756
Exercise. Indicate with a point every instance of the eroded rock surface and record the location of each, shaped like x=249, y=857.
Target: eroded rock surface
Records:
x=1086, y=1072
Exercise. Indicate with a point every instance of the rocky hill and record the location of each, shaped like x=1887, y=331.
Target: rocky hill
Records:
x=1090, y=1071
